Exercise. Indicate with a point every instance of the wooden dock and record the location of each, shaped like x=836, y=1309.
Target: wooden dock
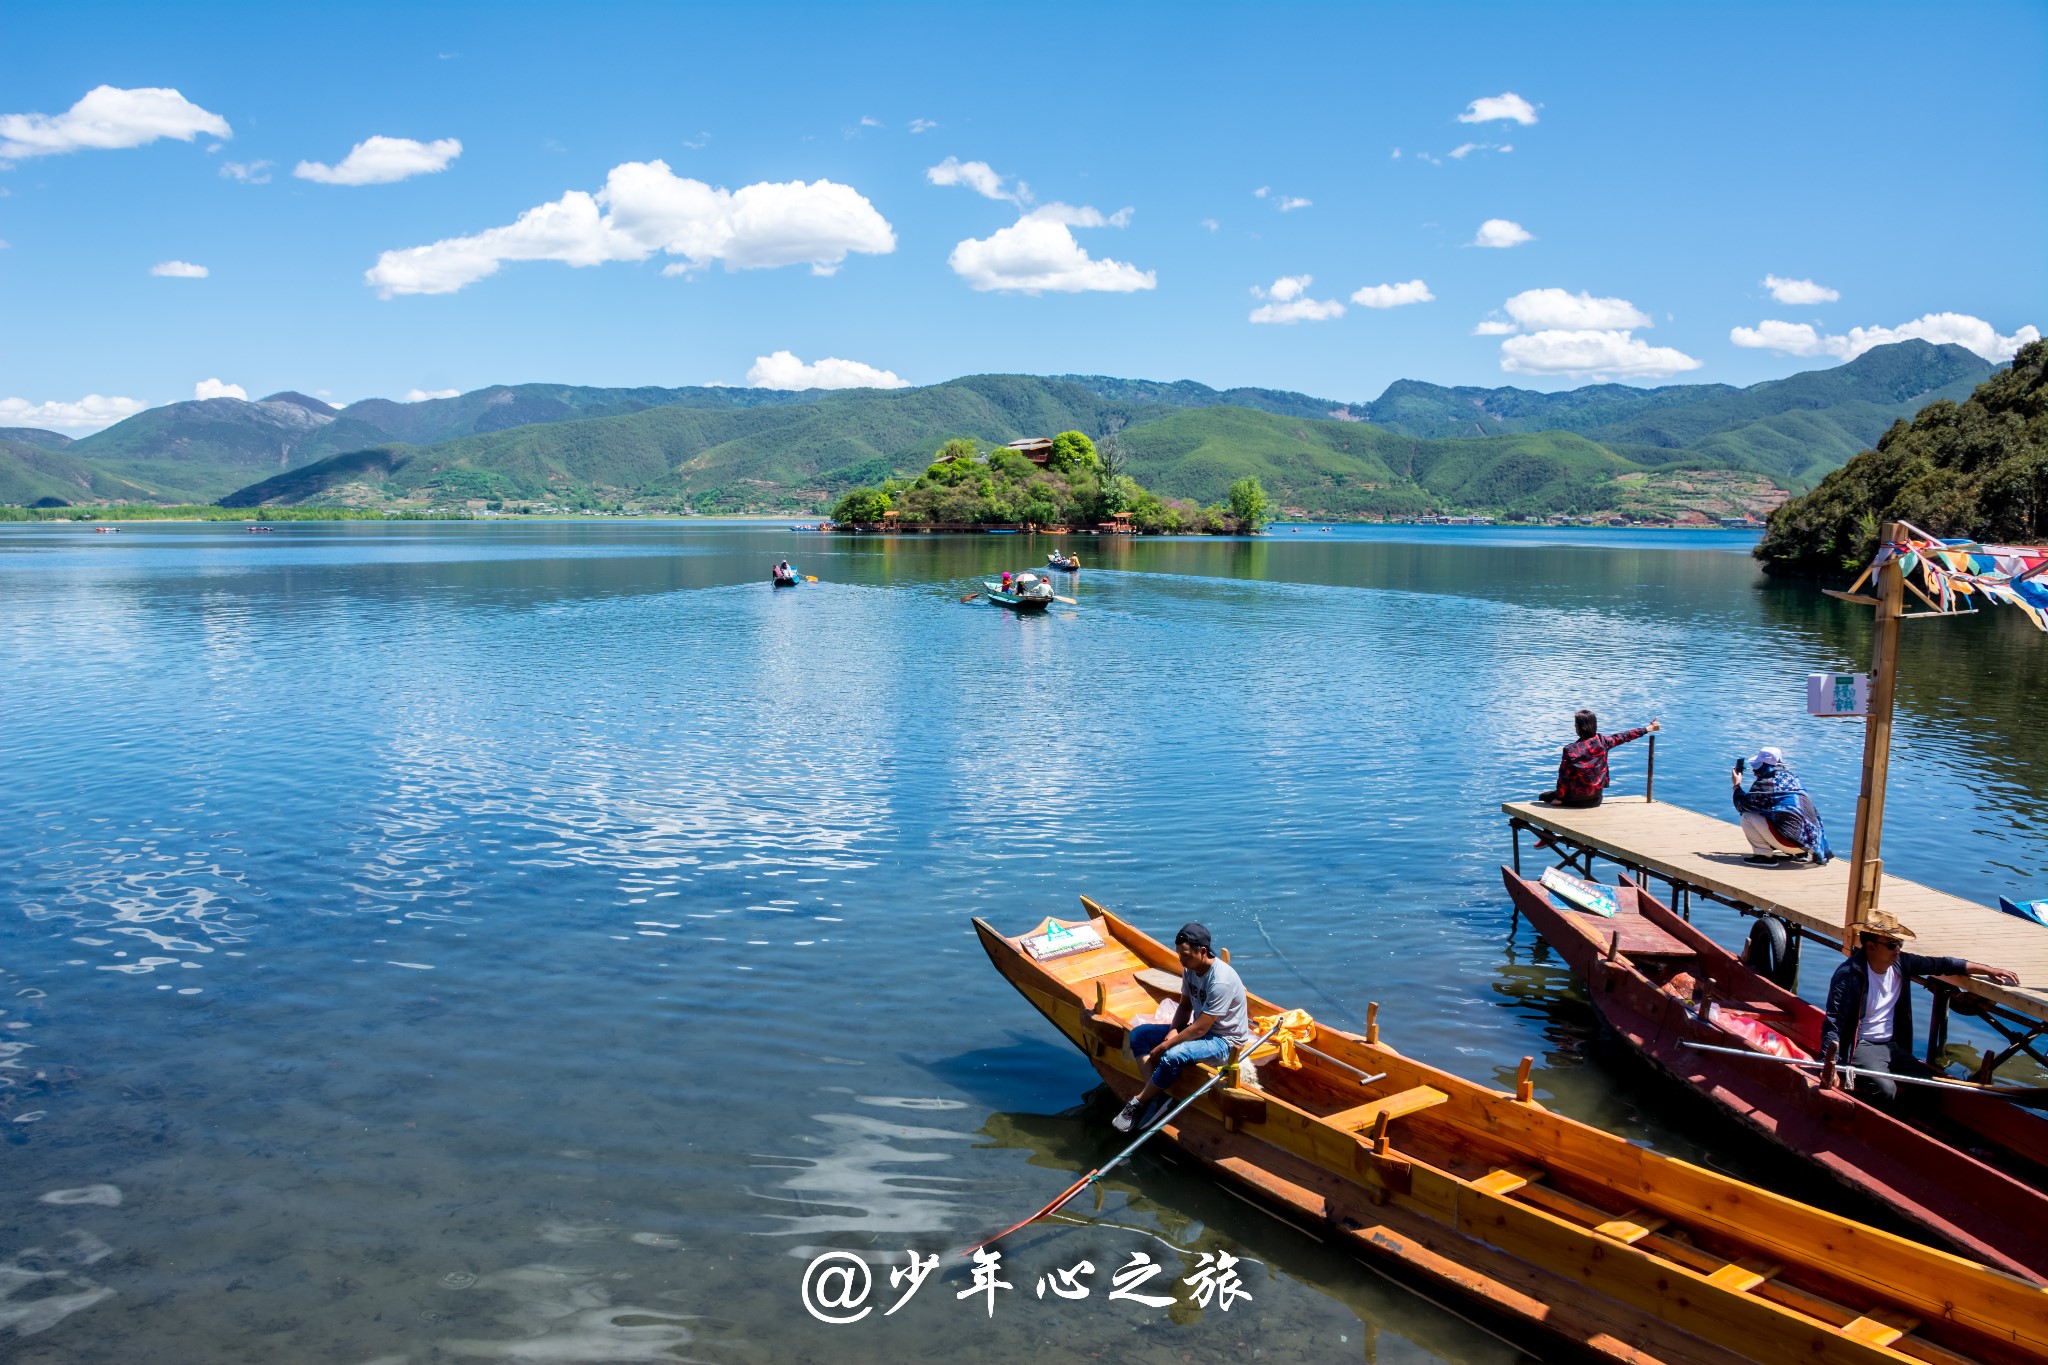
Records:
x=1703, y=854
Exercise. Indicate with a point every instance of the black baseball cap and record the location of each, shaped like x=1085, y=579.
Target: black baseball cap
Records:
x=1194, y=934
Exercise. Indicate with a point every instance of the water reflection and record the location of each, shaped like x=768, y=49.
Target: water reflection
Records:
x=559, y=903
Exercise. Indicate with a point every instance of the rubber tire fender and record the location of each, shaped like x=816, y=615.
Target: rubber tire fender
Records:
x=1766, y=950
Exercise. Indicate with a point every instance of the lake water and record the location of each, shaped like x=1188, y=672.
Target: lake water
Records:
x=536, y=941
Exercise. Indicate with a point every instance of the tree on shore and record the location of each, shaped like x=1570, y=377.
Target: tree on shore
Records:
x=1248, y=506
x=861, y=506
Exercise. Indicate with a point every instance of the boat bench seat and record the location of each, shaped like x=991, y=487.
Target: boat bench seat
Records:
x=1394, y=1106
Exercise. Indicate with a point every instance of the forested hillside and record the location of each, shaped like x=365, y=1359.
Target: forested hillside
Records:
x=1701, y=448
x=1975, y=469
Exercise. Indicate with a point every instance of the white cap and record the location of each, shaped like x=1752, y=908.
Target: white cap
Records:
x=1767, y=758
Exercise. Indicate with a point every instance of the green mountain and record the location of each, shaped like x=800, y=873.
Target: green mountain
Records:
x=1794, y=429
x=34, y=474
x=1418, y=447
x=1975, y=469
x=35, y=436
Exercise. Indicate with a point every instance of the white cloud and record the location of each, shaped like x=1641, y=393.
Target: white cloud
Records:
x=867, y=121
x=1793, y=338
x=1494, y=327
x=1538, y=309
x=106, y=118
x=383, y=161
x=1291, y=203
x=922, y=125
x=1038, y=253
x=1957, y=329
x=89, y=413
x=179, y=270
x=1465, y=149
x=1211, y=224
x=1393, y=295
x=423, y=395
x=980, y=177
x=1289, y=302
x=784, y=371
x=1503, y=107
x=698, y=142
x=644, y=208
x=248, y=172
x=1590, y=352
x=214, y=388
x=1800, y=291
x=1397, y=154
x=1502, y=232
x=1262, y=191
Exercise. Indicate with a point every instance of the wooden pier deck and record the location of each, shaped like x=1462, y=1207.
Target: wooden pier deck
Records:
x=1690, y=849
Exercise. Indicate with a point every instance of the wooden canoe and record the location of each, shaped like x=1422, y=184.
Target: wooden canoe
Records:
x=1969, y=1204
x=1013, y=601
x=1546, y=1224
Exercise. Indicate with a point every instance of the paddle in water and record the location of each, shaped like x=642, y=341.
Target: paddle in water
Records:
x=1106, y=1167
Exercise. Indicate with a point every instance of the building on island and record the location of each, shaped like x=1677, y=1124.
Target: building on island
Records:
x=1037, y=449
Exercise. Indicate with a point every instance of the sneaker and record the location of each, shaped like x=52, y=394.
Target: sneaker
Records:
x=1126, y=1119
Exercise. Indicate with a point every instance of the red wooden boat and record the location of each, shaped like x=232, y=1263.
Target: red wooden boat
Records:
x=1661, y=983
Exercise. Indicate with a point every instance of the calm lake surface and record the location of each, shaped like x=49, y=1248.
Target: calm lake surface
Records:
x=536, y=941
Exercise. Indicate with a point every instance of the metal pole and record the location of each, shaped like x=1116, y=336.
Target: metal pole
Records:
x=1650, y=778
x=1866, y=867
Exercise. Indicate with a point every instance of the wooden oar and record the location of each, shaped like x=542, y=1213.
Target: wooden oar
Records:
x=970, y=597
x=1068, y=600
x=810, y=578
x=1106, y=1167
x=2027, y=1096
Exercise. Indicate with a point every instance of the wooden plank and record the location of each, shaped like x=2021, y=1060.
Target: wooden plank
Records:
x=1674, y=842
x=1744, y=1275
x=1398, y=1105
x=1631, y=1227
x=1507, y=1180
x=1679, y=1296
x=1166, y=983
x=1880, y=1328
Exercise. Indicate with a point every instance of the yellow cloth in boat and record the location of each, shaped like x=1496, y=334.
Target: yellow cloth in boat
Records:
x=1296, y=1028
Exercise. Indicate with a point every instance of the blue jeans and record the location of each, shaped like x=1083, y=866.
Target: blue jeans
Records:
x=1145, y=1037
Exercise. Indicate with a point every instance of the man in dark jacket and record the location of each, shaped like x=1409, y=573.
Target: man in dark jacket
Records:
x=1869, y=1020
x=1582, y=772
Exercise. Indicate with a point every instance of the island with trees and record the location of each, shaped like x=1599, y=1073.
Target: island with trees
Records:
x=1075, y=484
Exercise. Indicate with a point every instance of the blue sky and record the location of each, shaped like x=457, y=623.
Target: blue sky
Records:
x=1185, y=167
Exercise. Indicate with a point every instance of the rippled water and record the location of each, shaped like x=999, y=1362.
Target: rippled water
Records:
x=535, y=942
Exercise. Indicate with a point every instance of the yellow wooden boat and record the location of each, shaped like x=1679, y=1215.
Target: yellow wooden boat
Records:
x=1541, y=1221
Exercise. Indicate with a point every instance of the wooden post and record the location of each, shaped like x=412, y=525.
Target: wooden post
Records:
x=1379, y=1133
x=1372, y=1023
x=1650, y=776
x=1866, y=867
x=1525, y=1088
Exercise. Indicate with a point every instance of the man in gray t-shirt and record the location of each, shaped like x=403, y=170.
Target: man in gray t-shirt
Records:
x=1212, y=1019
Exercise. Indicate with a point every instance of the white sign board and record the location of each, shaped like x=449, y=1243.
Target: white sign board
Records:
x=1838, y=694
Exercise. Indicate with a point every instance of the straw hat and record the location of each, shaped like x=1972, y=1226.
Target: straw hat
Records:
x=1882, y=924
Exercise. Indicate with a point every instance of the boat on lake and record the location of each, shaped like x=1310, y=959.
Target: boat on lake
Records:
x=784, y=576
x=1027, y=592
x=1666, y=989
x=1064, y=563
x=1546, y=1224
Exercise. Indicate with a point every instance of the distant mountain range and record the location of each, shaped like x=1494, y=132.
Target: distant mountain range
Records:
x=1418, y=447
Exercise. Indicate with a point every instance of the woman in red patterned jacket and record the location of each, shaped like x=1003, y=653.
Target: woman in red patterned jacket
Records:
x=1582, y=772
